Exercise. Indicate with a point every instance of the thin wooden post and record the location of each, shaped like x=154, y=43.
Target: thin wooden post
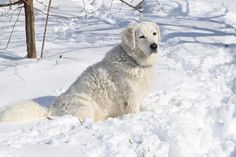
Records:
x=29, y=28
x=45, y=28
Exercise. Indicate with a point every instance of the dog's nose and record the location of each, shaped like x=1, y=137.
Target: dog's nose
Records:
x=153, y=46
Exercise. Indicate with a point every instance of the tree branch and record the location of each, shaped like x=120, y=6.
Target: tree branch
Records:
x=13, y=27
x=158, y=3
x=134, y=7
x=9, y=4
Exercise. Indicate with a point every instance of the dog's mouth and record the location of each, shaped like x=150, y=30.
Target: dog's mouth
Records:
x=154, y=51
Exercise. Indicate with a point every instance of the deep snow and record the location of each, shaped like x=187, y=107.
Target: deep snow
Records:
x=191, y=111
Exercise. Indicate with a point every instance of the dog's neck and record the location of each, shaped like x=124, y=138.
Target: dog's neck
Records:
x=131, y=60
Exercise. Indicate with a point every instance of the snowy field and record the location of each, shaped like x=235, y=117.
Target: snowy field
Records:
x=191, y=111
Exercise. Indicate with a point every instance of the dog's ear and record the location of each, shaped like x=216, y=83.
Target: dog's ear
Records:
x=128, y=37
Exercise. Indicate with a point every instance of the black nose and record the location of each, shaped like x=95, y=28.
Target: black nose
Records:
x=153, y=46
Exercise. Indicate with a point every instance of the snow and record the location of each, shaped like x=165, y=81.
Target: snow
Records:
x=191, y=110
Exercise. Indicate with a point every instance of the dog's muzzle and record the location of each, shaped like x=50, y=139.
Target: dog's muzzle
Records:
x=154, y=47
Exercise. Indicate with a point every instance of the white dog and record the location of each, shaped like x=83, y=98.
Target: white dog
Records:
x=110, y=88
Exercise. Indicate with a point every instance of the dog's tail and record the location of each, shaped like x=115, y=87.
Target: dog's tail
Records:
x=24, y=111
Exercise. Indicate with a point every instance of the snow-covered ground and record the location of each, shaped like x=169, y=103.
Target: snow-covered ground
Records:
x=191, y=111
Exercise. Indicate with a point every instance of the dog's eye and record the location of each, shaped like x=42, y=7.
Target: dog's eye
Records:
x=154, y=33
x=142, y=37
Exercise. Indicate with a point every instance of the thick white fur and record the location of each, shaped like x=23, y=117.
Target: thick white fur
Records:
x=22, y=111
x=110, y=88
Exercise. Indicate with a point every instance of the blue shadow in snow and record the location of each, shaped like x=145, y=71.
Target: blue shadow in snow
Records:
x=45, y=101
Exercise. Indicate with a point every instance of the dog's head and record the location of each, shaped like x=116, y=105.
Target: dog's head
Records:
x=142, y=40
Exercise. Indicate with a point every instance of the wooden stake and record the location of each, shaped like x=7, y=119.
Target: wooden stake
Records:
x=45, y=29
x=29, y=28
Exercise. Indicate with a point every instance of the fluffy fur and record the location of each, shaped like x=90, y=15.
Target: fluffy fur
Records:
x=23, y=111
x=110, y=88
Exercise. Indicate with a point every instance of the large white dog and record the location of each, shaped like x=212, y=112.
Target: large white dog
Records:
x=110, y=88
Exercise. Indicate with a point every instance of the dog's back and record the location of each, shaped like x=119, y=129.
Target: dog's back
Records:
x=93, y=95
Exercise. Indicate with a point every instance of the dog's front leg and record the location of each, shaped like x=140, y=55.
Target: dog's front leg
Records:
x=132, y=103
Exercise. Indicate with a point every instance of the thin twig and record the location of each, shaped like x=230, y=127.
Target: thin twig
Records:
x=85, y=11
x=62, y=16
x=45, y=6
x=159, y=4
x=111, y=4
x=131, y=6
x=139, y=4
x=10, y=4
x=45, y=29
x=17, y=8
x=13, y=27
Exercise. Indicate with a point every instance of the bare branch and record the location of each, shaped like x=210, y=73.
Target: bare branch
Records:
x=62, y=16
x=134, y=7
x=10, y=4
x=162, y=9
x=13, y=13
x=85, y=11
x=44, y=5
x=139, y=4
x=9, y=40
x=111, y=4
